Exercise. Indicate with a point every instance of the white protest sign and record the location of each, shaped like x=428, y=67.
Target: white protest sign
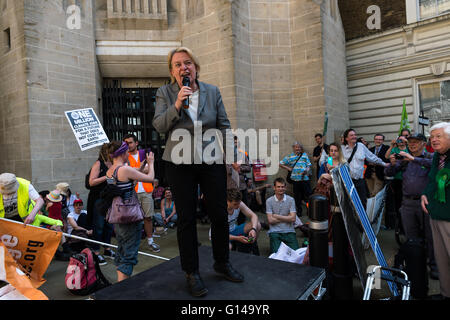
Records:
x=86, y=128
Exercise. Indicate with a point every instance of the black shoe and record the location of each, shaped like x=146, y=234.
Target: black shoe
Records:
x=195, y=284
x=228, y=272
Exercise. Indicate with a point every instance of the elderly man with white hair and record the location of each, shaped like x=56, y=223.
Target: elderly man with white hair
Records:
x=435, y=200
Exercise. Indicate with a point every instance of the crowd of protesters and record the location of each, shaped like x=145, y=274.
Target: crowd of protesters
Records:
x=406, y=169
x=411, y=170
x=414, y=173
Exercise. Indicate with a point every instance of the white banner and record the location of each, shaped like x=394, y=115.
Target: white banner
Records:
x=86, y=128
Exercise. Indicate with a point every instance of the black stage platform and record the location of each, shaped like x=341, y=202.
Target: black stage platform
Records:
x=265, y=279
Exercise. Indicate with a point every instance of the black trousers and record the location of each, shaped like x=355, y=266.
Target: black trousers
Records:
x=183, y=179
x=302, y=191
x=361, y=188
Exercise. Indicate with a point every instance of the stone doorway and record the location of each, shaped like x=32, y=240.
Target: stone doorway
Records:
x=131, y=110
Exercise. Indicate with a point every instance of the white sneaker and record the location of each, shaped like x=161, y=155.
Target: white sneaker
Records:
x=154, y=247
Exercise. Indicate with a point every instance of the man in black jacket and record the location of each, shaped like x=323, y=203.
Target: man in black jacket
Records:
x=375, y=174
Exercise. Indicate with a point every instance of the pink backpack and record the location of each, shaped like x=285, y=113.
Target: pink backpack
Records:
x=83, y=274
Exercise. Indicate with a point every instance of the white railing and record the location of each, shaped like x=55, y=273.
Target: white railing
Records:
x=137, y=9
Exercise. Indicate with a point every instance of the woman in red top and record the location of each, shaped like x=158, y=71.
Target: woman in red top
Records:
x=54, y=205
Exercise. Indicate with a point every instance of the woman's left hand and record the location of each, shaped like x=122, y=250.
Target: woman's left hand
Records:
x=150, y=157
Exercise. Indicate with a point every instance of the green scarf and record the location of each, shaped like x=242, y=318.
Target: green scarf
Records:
x=442, y=180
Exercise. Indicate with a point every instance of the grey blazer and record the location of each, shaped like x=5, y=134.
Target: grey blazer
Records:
x=211, y=112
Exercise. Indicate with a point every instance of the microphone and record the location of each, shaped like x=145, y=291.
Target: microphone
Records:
x=186, y=83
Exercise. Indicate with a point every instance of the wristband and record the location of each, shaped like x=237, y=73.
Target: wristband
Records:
x=253, y=229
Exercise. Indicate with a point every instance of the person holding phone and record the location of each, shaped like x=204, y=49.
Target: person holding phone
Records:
x=335, y=158
x=393, y=153
x=137, y=159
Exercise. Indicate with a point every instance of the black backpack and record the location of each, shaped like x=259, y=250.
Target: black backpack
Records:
x=86, y=180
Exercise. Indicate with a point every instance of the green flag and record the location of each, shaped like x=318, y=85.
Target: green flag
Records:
x=404, y=124
x=325, y=124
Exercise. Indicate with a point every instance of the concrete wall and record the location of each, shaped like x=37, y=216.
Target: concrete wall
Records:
x=245, y=109
x=271, y=49
x=385, y=69
x=209, y=34
x=61, y=76
x=14, y=117
x=335, y=71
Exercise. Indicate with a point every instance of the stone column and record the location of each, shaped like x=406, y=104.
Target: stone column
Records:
x=14, y=116
x=61, y=76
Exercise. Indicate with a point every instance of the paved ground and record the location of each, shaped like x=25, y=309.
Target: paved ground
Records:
x=55, y=289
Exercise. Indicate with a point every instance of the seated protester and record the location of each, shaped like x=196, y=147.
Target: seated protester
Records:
x=168, y=216
x=54, y=205
x=256, y=195
x=68, y=197
x=77, y=225
x=54, y=208
x=157, y=194
x=245, y=233
x=281, y=212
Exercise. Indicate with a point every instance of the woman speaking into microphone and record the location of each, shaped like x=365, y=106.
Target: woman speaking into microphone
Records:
x=181, y=108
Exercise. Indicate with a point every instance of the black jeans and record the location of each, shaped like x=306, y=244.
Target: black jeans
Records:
x=302, y=191
x=183, y=180
x=361, y=188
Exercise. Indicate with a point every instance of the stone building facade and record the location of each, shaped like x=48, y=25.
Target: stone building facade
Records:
x=279, y=65
x=406, y=59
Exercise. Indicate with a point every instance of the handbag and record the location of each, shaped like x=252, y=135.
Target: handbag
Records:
x=288, y=177
x=124, y=211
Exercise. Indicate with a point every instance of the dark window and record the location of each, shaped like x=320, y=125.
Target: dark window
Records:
x=131, y=110
x=7, y=39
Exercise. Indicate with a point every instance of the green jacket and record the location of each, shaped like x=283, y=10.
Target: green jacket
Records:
x=437, y=210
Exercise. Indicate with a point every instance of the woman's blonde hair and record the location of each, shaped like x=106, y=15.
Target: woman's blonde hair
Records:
x=189, y=53
x=338, y=146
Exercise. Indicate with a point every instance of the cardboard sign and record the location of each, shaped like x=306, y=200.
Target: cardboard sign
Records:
x=86, y=128
x=32, y=247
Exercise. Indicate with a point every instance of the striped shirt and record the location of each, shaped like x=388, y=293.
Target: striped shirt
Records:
x=303, y=164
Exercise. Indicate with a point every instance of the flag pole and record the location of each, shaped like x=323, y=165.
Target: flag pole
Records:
x=88, y=240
